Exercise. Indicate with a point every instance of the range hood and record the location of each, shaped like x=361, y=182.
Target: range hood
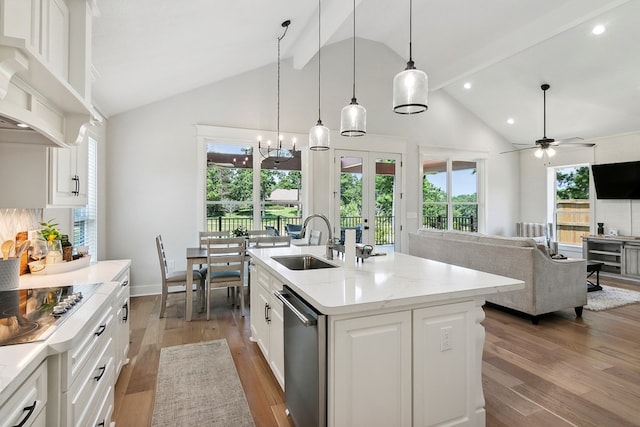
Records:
x=50, y=110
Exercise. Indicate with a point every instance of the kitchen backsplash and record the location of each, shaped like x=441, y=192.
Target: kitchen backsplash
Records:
x=14, y=220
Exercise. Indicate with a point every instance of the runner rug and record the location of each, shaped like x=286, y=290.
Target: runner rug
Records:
x=610, y=297
x=198, y=385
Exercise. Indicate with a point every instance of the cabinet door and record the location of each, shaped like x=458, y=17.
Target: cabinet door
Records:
x=371, y=358
x=447, y=387
x=276, y=339
x=122, y=327
x=55, y=33
x=631, y=260
x=68, y=174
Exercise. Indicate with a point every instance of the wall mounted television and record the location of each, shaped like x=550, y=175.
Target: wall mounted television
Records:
x=617, y=180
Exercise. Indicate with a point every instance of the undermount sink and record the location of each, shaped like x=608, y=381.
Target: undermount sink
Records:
x=302, y=262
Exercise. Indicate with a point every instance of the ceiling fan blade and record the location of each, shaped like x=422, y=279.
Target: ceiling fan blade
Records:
x=519, y=149
x=567, y=140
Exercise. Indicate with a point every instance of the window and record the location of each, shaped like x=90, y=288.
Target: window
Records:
x=449, y=194
x=231, y=183
x=572, y=207
x=85, y=222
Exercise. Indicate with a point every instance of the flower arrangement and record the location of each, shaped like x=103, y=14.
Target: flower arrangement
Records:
x=240, y=231
x=49, y=232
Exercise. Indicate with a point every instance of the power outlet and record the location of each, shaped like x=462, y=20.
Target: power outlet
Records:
x=445, y=338
x=171, y=264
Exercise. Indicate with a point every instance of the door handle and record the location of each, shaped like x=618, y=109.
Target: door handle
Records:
x=29, y=410
x=304, y=319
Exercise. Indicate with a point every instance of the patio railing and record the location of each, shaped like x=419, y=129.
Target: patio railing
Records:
x=460, y=223
x=384, y=225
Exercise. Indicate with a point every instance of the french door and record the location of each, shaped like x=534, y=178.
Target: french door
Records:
x=367, y=196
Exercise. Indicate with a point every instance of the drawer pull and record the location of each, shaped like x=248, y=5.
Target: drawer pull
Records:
x=101, y=329
x=100, y=424
x=125, y=283
x=125, y=307
x=30, y=410
x=102, y=369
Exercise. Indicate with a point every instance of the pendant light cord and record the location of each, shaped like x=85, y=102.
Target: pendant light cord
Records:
x=319, y=38
x=286, y=27
x=353, y=100
x=410, y=29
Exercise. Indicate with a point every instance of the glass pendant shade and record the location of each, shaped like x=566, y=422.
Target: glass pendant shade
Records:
x=319, y=137
x=551, y=152
x=353, y=120
x=539, y=153
x=410, y=91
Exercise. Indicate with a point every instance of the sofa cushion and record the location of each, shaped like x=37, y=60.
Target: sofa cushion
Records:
x=465, y=236
x=523, y=242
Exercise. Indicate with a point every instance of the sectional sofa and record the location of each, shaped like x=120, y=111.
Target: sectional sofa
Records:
x=550, y=285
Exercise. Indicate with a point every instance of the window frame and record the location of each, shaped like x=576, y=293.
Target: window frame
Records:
x=552, y=202
x=240, y=137
x=450, y=156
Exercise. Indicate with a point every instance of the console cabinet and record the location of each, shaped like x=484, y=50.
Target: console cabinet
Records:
x=619, y=254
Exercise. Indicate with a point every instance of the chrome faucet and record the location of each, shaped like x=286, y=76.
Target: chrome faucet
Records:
x=330, y=242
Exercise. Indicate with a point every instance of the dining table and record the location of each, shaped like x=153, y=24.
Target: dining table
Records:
x=194, y=256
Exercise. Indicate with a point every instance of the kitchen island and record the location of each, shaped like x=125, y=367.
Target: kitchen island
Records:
x=404, y=339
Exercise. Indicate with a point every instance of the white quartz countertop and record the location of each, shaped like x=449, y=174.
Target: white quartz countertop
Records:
x=394, y=280
x=19, y=360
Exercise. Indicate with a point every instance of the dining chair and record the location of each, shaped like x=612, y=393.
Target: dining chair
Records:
x=176, y=278
x=257, y=233
x=271, y=241
x=225, y=266
x=314, y=237
x=203, y=236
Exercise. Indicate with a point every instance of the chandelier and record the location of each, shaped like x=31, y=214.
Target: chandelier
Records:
x=277, y=151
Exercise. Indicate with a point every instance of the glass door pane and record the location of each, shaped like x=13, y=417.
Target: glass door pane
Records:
x=351, y=195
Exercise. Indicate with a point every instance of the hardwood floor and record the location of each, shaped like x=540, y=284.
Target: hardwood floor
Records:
x=563, y=372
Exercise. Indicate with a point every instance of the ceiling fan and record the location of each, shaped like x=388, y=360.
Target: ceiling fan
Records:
x=544, y=145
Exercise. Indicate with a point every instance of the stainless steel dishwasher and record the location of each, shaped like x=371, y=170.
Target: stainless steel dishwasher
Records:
x=305, y=360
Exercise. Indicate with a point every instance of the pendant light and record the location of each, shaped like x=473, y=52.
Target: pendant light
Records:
x=276, y=152
x=410, y=87
x=319, y=134
x=353, y=118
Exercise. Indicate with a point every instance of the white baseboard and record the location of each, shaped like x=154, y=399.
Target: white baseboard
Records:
x=142, y=290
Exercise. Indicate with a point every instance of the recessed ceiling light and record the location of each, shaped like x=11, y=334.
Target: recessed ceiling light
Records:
x=598, y=29
x=510, y=121
x=467, y=85
x=22, y=125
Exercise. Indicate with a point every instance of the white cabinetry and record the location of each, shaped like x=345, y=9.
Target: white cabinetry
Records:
x=267, y=321
x=68, y=175
x=84, y=376
x=372, y=357
x=121, y=333
x=27, y=406
x=423, y=366
x=45, y=48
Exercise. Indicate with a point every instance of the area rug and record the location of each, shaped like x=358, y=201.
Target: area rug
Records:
x=610, y=297
x=198, y=385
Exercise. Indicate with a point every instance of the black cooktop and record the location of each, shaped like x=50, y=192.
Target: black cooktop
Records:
x=28, y=315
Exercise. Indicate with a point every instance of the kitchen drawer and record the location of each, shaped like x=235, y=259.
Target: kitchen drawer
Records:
x=94, y=382
x=105, y=410
x=97, y=335
x=31, y=394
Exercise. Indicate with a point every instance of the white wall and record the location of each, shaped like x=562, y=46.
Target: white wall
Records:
x=151, y=151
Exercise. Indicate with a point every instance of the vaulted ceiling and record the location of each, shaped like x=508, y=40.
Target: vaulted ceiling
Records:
x=147, y=50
